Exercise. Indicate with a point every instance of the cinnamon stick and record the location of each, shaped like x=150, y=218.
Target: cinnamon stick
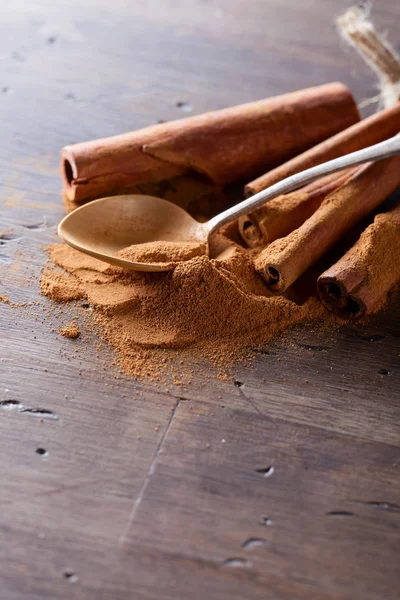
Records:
x=113, y=165
x=225, y=145
x=283, y=261
x=286, y=213
x=372, y=130
x=358, y=283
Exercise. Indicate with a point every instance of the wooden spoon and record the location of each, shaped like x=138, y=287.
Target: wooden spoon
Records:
x=104, y=227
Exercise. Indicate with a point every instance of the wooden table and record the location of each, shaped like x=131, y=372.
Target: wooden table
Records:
x=283, y=483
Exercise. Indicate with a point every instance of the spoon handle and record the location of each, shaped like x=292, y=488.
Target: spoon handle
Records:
x=385, y=149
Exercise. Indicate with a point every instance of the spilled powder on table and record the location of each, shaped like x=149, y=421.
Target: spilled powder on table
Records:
x=211, y=310
x=61, y=287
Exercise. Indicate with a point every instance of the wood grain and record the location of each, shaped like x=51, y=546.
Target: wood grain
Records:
x=113, y=489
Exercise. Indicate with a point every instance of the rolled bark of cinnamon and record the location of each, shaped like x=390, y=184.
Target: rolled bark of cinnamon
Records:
x=283, y=261
x=371, y=130
x=225, y=145
x=286, y=213
x=359, y=282
x=113, y=165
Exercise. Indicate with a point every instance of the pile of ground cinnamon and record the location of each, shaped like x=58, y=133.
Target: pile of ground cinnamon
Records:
x=70, y=331
x=213, y=309
x=167, y=253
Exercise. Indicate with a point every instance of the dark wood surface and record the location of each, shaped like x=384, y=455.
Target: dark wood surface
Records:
x=282, y=483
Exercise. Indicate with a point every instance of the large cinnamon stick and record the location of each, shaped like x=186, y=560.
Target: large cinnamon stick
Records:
x=226, y=145
x=113, y=165
x=358, y=283
x=372, y=130
x=283, y=261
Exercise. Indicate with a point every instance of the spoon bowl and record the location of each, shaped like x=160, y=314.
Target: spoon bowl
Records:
x=104, y=227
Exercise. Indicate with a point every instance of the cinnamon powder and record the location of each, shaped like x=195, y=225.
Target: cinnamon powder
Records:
x=204, y=309
x=70, y=331
x=167, y=253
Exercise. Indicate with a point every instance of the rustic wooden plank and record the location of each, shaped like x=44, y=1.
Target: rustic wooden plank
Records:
x=75, y=457
x=345, y=380
x=312, y=514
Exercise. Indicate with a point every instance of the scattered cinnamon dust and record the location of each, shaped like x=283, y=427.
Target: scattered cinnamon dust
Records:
x=70, y=331
x=159, y=323
x=7, y=301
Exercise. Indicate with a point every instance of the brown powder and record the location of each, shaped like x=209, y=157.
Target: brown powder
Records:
x=61, y=287
x=70, y=331
x=7, y=301
x=166, y=252
x=213, y=309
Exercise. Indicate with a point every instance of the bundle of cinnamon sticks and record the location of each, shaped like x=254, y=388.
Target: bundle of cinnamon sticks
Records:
x=293, y=231
x=359, y=282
